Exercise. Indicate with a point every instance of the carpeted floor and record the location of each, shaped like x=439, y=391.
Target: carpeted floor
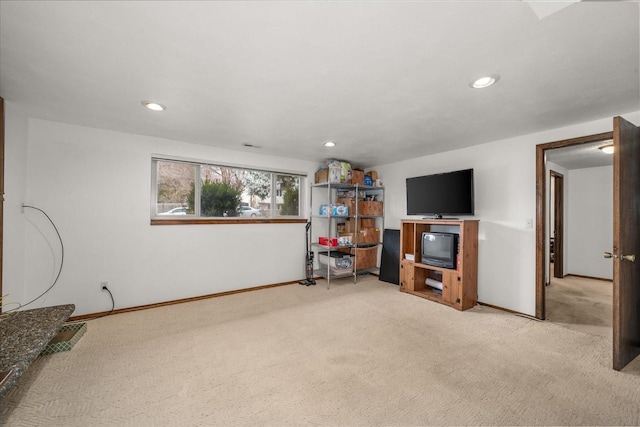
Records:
x=356, y=354
x=581, y=304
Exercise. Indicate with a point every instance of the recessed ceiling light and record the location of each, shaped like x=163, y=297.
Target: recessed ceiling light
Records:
x=607, y=148
x=329, y=144
x=485, y=81
x=153, y=106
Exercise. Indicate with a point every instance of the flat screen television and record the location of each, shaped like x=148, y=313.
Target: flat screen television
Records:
x=440, y=194
x=439, y=249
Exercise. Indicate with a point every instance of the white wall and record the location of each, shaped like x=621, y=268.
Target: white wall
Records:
x=15, y=174
x=505, y=196
x=95, y=185
x=589, y=222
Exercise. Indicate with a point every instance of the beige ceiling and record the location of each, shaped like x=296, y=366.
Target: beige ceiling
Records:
x=385, y=80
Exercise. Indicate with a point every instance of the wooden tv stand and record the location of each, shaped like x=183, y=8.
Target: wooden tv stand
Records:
x=459, y=285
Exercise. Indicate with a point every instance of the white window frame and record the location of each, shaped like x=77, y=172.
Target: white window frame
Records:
x=197, y=218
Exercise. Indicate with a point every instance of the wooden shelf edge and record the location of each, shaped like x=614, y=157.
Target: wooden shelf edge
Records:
x=432, y=296
x=433, y=267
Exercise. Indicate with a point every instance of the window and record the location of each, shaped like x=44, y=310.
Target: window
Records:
x=187, y=190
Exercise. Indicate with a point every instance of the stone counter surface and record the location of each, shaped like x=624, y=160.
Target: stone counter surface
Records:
x=23, y=336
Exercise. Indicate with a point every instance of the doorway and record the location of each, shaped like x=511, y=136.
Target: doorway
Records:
x=543, y=231
x=582, y=299
x=556, y=224
x=625, y=147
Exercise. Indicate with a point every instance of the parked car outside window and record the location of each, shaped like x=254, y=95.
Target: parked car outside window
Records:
x=175, y=211
x=249, y=211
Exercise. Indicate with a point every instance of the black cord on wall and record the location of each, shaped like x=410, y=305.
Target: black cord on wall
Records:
x=113, y=304
x=61, y=259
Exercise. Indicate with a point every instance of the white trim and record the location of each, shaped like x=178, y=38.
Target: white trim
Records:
x=223, y=164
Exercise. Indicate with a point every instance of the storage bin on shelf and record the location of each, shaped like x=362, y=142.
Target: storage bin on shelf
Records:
x=336, y=259
x=338, y=262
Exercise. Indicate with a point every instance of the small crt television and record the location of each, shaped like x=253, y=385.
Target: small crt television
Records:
x=439, y=249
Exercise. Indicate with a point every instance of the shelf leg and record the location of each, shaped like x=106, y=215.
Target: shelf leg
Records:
x=328, y=272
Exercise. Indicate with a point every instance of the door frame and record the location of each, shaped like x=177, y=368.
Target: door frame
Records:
x=1, y=192
x=558, y=224
x=541, y=214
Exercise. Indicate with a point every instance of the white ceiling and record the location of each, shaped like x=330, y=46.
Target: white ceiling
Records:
x=581, y=156
x=385, y=80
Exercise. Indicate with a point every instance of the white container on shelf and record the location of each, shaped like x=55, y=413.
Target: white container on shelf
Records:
x=433, y=283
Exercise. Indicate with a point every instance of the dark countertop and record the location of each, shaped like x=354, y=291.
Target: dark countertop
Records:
x=23, y=336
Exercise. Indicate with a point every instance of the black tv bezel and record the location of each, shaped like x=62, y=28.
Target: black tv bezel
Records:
x=437, y=262
x=439, y=214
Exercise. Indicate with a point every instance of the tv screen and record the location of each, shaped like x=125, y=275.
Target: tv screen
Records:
x=439, y=249
x=448, y=193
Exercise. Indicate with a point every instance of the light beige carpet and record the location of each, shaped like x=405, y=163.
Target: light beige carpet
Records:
x=582, y=304
x=356, y=354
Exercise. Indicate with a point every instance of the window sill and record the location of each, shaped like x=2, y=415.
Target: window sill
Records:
x=158, y=221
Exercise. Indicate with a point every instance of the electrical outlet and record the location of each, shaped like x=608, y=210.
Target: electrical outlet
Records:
x=104, y=284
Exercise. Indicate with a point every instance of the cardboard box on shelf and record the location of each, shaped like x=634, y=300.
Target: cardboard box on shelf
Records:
x=370, y=208
x=368, y=223
x=350, y=202
x=331, y=175
x=357, y=176
x=372, y=234
x=364, y=235
x=322, y=176
x=366, y=258
x=351, y=224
